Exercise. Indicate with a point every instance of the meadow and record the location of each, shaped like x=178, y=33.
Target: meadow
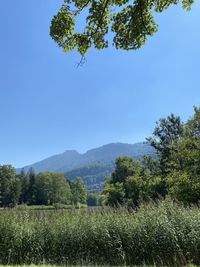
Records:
x=157, y=234
x=190, y=265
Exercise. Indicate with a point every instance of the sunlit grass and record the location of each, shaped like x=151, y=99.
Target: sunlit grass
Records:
x=44, y=265
x=160, y=235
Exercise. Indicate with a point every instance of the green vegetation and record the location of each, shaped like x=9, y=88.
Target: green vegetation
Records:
x=156, y=219
x=92, y=175
x=45, y=265
x=175, y=171
x=130, y=22
x=164, y=234
x=94, y=199
x=42, y=189
x=93, y=165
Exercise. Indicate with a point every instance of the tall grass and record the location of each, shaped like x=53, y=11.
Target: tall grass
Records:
x=161, y=234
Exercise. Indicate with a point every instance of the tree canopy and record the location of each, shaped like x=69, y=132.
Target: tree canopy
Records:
x=44, y=188
x=174, y=172
x=130, y=22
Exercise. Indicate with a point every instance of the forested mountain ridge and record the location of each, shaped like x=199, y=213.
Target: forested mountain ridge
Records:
x=92, y=175
x=72, y=159
x=93, y=165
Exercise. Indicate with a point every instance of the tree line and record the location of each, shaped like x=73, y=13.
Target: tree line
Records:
x=42, y=189
x=175, y=171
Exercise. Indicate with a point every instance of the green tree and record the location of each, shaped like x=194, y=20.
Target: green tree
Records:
x=15, y=191
x=166, y=135
x=51, y=188
x=193, y=124
x=134, y=187
x=151, y=165
x=42, y=188
x=24, y=179
x=142, y=189
x=79, y=191
x=114, y=194
x=124, y=167
x=10, y=186
x=134, y=181
x=31, y=186
x=130, y=22
x=93, y=199
x=115, y=189
x=60, y=189
x=154, y=188
x=184, y=187
x=176, y=170
x=184, y=181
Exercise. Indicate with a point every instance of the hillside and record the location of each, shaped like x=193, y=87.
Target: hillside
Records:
x=93, y=165
x=93, y=175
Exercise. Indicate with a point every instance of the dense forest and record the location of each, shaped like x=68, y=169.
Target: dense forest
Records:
x=175, y=172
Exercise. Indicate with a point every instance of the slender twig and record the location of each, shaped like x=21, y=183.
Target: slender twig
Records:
x=81, y=62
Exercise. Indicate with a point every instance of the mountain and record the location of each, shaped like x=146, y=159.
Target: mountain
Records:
x=93, y=165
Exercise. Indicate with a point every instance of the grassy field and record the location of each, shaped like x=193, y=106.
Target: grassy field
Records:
x=44, y=265
x=157, y=235
x=50, y=207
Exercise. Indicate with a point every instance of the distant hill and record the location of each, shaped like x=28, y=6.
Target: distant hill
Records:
x=93, y=175
x=93, y=165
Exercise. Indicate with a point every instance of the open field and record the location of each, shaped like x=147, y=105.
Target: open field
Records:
x=164, y=234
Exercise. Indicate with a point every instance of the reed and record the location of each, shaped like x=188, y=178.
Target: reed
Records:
x=158, y=234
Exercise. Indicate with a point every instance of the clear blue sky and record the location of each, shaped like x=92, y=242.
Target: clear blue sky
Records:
x=47, y=105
